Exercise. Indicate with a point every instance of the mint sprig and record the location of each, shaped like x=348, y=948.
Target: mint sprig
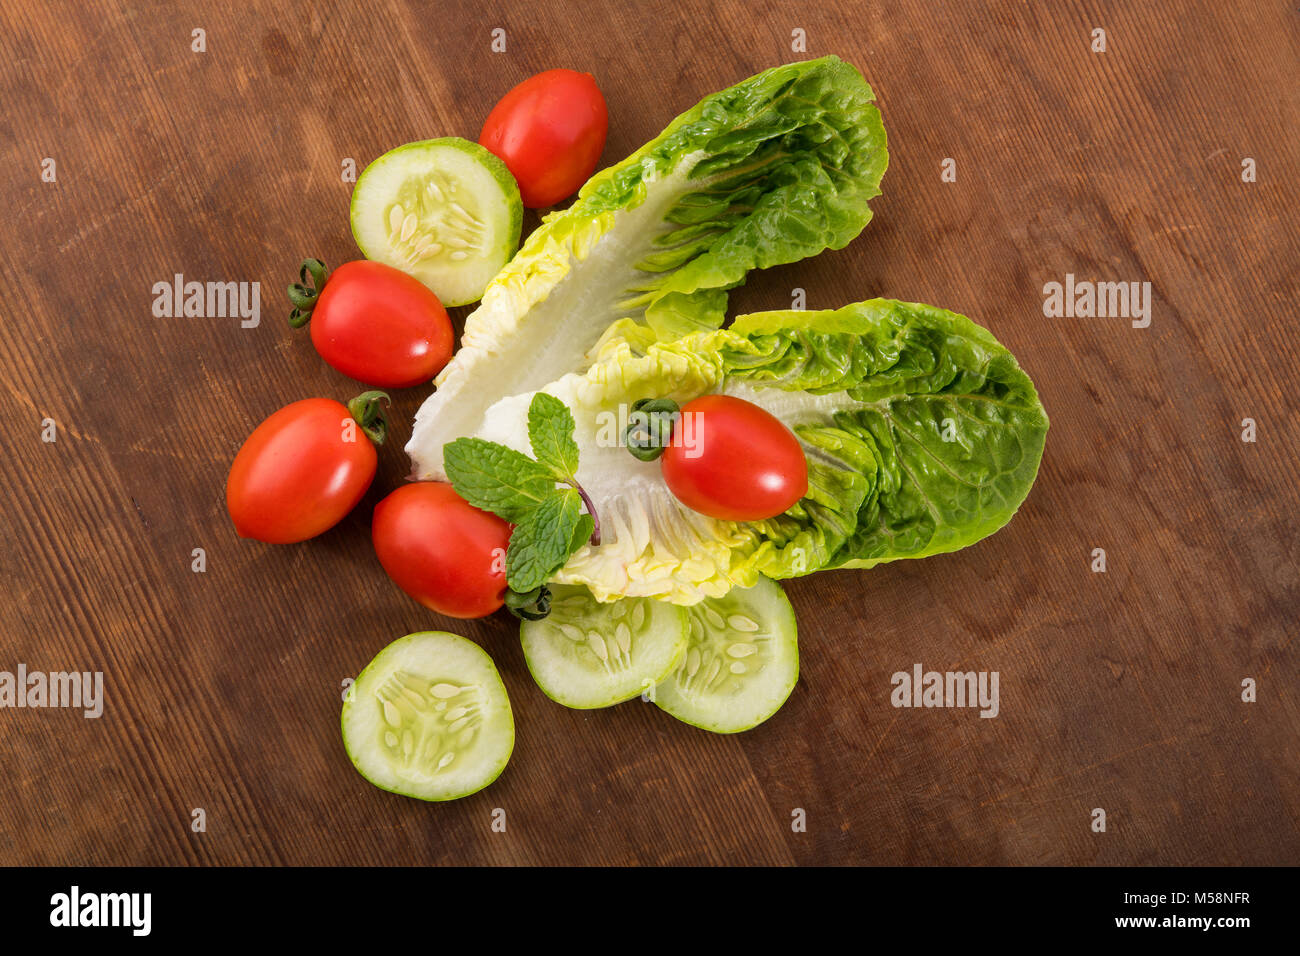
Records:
x=550, y=432
x=497, y=479
x=539, y=545
x=540, y=496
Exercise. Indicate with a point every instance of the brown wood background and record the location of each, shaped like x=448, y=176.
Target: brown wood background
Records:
x=1119, y=690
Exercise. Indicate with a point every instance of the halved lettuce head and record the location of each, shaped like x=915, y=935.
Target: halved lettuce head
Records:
x=922, y=435
x=774, y=169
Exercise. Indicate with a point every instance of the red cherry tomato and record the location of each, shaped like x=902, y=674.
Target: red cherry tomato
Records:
x=441, y=550
x=549, y=131
x=732, y=460
x=376, y=324
x=299, y=473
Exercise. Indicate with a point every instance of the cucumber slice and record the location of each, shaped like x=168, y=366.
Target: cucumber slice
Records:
x=429, y=718
x=741, y=664
x=445, y=210
x=586, y=654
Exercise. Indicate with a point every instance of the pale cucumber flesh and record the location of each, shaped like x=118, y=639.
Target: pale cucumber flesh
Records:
x=446, y=211
x=741, y=661
x=429, y=718
x=586, y=654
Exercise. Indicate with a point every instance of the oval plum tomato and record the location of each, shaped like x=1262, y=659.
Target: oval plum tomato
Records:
x=304, y=468
x=732, y=460
x=549, y=131
x=441, y=550
x=372, y=322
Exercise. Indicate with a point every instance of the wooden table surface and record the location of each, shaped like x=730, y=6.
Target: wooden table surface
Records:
x=1120, y=690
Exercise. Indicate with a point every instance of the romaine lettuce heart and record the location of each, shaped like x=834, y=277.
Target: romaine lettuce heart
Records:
x=925, y=405
x=922, y=435
x=774, y=169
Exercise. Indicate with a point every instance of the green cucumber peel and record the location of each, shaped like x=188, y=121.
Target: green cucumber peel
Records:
x=429, y=718
x=446, y=211
x=590, y=654
x=741, y=661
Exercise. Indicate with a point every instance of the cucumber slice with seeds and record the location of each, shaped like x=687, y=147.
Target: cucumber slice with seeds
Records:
x=586, y=654
x=429, y=718
x=445, y=210
x=741, y=663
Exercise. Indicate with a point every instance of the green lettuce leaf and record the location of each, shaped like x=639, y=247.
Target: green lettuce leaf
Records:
x=772, y=170
x=925, y=406
x=922, y=434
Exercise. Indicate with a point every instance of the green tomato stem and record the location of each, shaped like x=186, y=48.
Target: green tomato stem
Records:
x=529, y=605
x=304, y=293
x=651, y=427
x=369, y=411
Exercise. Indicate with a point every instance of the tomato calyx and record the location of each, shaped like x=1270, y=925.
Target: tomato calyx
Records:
x=529, y=605
x=368, y=410
x=304, y=293
x=650, y=427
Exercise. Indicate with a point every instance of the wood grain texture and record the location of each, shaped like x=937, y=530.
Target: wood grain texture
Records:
x=1119, y=690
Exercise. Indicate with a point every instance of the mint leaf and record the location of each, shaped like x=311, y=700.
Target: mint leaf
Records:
x=550, y=431
x=497, y=479
x=541, y=541
x=549, y=521
x=582, y=533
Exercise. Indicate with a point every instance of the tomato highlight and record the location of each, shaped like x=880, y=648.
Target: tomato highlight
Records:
x=372, y=322
x=442, y=551
x=549, y=131
x=304, y=468
x=732, y=460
